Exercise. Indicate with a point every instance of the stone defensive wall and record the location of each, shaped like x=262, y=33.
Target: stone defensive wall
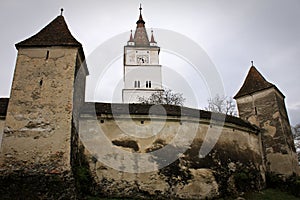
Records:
x=132, y=150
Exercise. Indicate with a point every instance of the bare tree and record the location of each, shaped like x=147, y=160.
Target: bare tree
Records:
x=296, y=134
x=222, y=104
x=166, y=96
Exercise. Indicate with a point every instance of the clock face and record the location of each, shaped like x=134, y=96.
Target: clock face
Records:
x=142, y=59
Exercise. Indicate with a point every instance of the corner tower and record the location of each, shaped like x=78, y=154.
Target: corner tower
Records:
x=40, y=124
x=261, y=103
x=142, y=72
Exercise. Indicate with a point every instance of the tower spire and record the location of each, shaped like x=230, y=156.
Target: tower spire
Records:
x=140, y=22
x=152, y=40
x=131, y=38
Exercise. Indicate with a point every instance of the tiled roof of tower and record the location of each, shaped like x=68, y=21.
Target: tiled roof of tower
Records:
x=140, y=36
x=254, y=82
x=56, y=33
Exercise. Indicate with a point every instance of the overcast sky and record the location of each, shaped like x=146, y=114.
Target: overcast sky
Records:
x=231, y=32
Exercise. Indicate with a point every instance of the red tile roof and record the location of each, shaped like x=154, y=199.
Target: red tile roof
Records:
x=254, y=82
x=56, y=33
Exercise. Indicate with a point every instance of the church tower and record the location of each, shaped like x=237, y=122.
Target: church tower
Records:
x=261, y=103
x=142, y=72
x=40, y=135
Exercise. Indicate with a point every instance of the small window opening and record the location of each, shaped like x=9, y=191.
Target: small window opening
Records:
x=148, y=84
x=47, y=55
x=142, y=122
x=41, y=82
x=102, y=121
x=255, y=110
x=137, y=84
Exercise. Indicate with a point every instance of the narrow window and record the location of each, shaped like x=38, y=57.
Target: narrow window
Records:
x=41, y=82
x=139, y=85
x=146, y=84
x=135, y=84
x=149, y=84
x=255, y=110
x=47, y=55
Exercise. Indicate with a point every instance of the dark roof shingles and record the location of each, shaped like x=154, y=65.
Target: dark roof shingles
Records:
x=254, y=82
x=56, y=33
x=171, y=110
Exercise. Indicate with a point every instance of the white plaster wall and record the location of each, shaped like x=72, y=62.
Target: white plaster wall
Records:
x=131, y=53
x=143, y=74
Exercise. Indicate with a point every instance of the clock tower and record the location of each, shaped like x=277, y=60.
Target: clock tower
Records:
x=142, y=71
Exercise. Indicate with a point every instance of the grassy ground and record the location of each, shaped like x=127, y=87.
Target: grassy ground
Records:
x=268, y=194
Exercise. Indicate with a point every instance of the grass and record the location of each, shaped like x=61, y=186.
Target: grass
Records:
x=270, y=194
x=267, y=194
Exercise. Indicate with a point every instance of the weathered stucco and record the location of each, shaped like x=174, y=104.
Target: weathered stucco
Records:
x=38, y=122
x=237, y=149
x=266, y=109
x=37, y=131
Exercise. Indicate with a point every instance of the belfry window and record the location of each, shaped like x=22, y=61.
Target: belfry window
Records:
x=137, y=84
x=148, y=84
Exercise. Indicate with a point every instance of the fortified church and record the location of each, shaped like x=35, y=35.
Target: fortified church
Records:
x=57, y=146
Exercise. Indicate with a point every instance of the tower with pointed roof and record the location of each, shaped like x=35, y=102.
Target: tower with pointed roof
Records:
x=142, y=71
x=262, y=103
x=47, y=91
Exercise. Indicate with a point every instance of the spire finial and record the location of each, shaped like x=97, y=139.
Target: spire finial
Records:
x=140, y=22
x=61, y=11
x=252, y=63
x=140, y=8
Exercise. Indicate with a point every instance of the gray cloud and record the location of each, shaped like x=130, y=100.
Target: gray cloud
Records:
x=232, y=32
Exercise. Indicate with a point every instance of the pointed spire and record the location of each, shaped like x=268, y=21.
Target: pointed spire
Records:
x=140, y=22
x=254, y=82
x=61, y=11
x=152, y=37
x=131, y=38
x=140, y=36
x=56, y=33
